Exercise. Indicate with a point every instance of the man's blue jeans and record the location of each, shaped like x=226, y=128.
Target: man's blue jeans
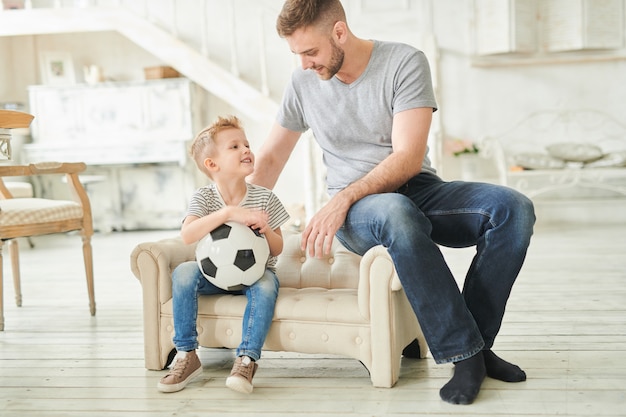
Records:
x=188, y=283
x=427, y=212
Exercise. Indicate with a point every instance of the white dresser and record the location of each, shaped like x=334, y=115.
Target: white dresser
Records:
x=132, y=135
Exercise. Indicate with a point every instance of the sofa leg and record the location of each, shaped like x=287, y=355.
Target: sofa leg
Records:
x=412, y=351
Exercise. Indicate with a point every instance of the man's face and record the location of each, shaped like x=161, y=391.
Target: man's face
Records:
x=317, y=51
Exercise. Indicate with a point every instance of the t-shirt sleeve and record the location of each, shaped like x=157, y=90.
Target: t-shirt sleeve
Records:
x=203, y=202
x=276, y=211
x=197, y=205
x=413, y=85
x=290, y=113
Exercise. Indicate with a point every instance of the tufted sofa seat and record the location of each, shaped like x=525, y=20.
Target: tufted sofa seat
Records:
x=341, y=304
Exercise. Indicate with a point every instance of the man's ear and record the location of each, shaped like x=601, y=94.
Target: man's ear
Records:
x=340, y=31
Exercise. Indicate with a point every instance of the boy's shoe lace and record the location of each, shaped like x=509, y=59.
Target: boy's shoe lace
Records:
x=241, y=375
x=185, y=367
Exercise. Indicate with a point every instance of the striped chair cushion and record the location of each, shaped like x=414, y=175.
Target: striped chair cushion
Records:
x=17, y=211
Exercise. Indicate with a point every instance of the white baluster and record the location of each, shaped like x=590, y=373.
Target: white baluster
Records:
x=262, y=61
x=234, y=67
x=174, y=27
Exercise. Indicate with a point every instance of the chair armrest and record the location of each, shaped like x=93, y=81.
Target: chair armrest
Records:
x=11, y=119
x=153, y=262
x=71, y=171
x=42, y=168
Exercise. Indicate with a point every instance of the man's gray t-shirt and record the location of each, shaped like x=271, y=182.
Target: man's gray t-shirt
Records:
x=352, y=122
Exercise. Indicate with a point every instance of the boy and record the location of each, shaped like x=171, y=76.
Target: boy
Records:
x=222, y=152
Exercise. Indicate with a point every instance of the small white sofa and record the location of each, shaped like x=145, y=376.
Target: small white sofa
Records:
x=341, y=304
x=578, y=154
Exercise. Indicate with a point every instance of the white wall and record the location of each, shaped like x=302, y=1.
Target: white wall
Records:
x=6, y=71
x=474, y=101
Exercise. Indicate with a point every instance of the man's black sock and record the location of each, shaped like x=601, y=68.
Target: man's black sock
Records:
x=465, y=384
x=502, y=370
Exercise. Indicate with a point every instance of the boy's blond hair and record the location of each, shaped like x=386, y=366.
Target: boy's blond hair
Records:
x=203, y=146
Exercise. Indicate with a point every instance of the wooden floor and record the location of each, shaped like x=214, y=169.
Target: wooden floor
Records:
x=565, y=325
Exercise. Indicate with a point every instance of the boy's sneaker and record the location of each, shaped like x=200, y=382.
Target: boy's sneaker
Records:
x=241, y=375
x=185, y=367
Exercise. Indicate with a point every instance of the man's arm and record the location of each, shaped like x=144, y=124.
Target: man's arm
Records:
x=409, y=139
x=273, y=156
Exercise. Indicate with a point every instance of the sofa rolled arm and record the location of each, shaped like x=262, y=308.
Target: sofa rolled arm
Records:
x=393, y=322
x=378, y=278
x=153, y=262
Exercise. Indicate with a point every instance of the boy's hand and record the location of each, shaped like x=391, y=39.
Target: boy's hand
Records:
x=256, y=219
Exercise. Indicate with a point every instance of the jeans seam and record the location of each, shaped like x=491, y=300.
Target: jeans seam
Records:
x=458, y=358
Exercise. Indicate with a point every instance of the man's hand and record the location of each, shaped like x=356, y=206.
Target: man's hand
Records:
x=319, y=233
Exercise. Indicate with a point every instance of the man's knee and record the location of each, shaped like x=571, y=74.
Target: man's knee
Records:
x=523, y=210
x=402, y=213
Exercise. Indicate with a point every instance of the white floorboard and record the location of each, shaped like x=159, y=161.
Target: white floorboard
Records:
x=565, y=325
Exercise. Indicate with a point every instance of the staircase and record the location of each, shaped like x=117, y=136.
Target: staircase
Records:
x=146, y=32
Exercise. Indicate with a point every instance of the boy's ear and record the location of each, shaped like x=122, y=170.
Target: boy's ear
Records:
x=210, y=165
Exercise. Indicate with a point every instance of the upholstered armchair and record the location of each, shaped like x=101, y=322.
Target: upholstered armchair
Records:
x=26, y=217
x=340, y=304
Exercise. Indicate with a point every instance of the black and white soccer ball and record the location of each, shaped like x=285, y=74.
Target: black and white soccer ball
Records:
x=232, y=256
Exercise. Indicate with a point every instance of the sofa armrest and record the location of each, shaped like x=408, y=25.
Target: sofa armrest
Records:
x=377, y=280
x=393, y=322
x=153, y=262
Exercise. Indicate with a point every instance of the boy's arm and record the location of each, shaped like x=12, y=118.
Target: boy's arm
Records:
x=275, y=241
x=195, y=228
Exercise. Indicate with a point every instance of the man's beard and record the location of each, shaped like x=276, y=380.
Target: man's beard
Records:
x=336, y=61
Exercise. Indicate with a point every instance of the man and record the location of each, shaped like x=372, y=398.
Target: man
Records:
x=369, y=105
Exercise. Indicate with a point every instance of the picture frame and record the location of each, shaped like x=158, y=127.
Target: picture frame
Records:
x=57, y=68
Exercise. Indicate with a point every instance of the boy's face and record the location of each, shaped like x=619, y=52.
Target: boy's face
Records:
x=232, y=154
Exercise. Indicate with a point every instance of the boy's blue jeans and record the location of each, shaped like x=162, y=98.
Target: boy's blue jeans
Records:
x=188, y=283
x=427, y=212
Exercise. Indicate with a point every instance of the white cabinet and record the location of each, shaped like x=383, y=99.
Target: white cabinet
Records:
x=113, y=123
x=133, y=136
x=528, y=31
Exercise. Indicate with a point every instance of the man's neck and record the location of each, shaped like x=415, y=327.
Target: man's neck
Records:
x=357, y=57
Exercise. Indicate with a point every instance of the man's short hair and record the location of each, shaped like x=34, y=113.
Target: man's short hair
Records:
x=297, y=14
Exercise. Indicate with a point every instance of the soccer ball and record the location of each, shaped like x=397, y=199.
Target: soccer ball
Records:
x=232, y=256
